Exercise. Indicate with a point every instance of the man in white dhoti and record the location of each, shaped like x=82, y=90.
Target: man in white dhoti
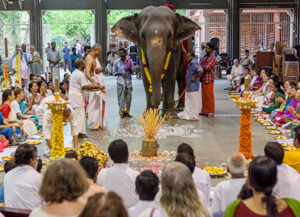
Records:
x=78, y=82
x=193, y=74
x=53, y=56
x=236, y=75
x=94, y=73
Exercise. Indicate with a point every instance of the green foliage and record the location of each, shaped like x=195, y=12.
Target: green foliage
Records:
x=69, y=25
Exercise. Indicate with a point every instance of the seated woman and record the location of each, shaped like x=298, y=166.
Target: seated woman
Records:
x=285, y=87
x=256, y=80
x=7, y=97
x=277, y=92
x=67, y=78
x=23, y=112
x=264, y=85
x=266, y=97
x=63, y=90
x=287, y=115
x=50, y=88
x=262, y=177
x=7, y=129
x=34, y=97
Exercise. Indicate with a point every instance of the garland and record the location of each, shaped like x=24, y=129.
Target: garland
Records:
x=18, y=69
x=57, y=149
x=144, y=61
x=245, y=138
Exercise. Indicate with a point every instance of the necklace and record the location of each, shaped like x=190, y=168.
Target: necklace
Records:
x=146, y=69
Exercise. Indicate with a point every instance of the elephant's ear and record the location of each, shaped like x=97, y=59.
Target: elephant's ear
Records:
x=126, y=28
x=186, y=28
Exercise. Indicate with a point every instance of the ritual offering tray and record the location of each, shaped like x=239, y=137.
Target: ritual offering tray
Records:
x=289, y=148
x=235, y=96
x=275, y=132
x=7, y=158
x=255, y=114
x=33, y=142
x=271, y=128
x=281, y=137
x=215, y=172
x=287, y=145
x=266, y=124
x=93, y=89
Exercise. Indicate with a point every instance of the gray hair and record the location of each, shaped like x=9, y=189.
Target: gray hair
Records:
x=96, y=46
x=235, y=60
x=32, y=46
x=236, y=163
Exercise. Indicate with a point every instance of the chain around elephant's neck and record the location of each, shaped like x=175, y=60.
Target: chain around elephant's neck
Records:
x=146, y=69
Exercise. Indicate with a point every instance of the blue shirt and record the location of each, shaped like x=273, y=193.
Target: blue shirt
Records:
x=192, y=71
x=119, y=67
x=66, y=53
x=73, y=58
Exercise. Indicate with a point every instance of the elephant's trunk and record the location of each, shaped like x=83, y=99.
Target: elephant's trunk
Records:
x=156, y=58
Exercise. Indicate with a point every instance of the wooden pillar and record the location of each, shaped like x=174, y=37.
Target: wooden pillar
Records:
x=101, y=26
x=233, y=29
x=36, y=26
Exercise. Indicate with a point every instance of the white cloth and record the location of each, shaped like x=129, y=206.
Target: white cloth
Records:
x=42, y=108
x=77, y=82
x=288, y=182
x=244, y=60
x=79, y=113
x=112, y=58
x=120, y=179
x=39, y=212
x=199, y=192
x=55, y=73
x=24, y=67
x=225, y=193
x=21, y=187
x=191, y=109
x=78, y=48
x=47, y=124
x=203, y=183
x=97, y=102
x=141, y=206
x=29, y=127
x=237, y=71
x=237, y=79
x=253, y=80
x=49, y=92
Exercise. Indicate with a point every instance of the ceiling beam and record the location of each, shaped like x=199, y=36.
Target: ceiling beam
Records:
x=4, y=4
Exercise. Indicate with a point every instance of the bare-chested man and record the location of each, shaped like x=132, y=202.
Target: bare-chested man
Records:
x=94, y=73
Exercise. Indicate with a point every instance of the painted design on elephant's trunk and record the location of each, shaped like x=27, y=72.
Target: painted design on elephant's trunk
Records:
x=146, y=69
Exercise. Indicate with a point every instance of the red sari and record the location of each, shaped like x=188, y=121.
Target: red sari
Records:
x=5, y=109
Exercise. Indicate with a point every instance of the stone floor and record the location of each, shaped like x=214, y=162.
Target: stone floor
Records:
x=213, y=139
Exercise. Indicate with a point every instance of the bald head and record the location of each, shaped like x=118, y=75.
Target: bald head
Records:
x=236, y=163
x=78, y=62
x=96, y=50
x=96, y=46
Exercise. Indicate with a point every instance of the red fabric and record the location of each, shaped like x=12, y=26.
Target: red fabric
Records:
x=170, y=6
x=208, y=98
x=5, y=109
x=103, y=113
x=243, y=211
x=209, y=63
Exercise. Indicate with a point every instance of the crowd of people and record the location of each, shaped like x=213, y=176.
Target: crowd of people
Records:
x=72, y=187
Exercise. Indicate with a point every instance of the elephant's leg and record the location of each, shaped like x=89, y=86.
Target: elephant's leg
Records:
x=146, y=87
x=181, y=86
x=168, y=104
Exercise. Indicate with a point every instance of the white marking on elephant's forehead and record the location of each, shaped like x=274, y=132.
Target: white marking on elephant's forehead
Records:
x=156, y=31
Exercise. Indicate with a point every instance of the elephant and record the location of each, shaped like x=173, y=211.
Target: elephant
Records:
x=157, y=32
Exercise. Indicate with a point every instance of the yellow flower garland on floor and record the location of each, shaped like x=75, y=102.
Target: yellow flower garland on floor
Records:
x=245, y=138
x=57, y=149
x=144, y=61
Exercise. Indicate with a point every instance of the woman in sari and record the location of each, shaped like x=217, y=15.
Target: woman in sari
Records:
x=277, y=92
x=34, y=97
x=7, y=97
x=35, y=66
x=255, y=81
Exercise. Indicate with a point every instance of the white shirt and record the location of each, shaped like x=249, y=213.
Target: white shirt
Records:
x=288, y=182
x=42, y=108
x=47, y=124
x=203, y=183
x=78, y=48
x=243, y=60
x=78, y=80
x=225, y=193
x=112, y=58
x=21, y=187
x=15, y=106
x=237, y=71
x=120, y=179
x=141, y=206
x=39, y=212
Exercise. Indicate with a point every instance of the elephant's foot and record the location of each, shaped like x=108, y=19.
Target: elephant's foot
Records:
x=170, y=114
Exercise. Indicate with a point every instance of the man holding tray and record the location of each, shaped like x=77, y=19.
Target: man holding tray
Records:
x=78, y=82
